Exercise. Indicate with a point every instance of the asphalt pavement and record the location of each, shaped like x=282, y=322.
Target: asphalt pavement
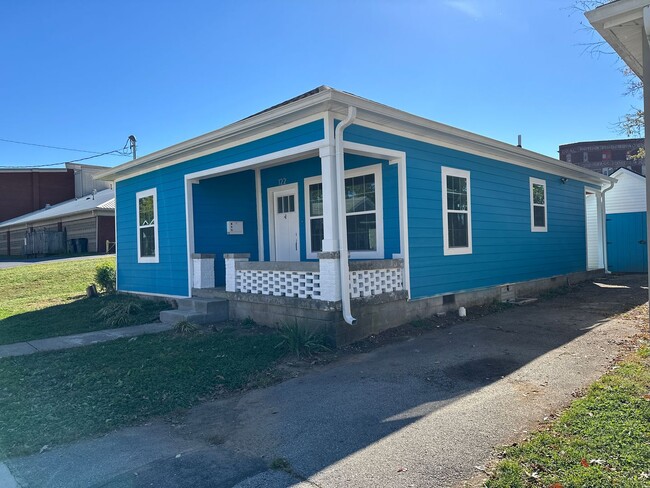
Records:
x=428, y=411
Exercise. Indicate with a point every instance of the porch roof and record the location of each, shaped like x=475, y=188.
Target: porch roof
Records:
x=620, y=23
x=323, y=100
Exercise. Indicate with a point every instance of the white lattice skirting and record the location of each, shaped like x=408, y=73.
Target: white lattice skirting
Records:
x=365, y=283
x=295, y=284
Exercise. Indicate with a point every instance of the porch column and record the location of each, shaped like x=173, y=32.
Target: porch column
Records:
x=330, y=206
x=231, y=269
x=645, y=42
x=329, y=258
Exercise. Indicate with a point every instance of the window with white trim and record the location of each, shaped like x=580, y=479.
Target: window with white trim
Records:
x=147, y=215
x=538, y=220
x=456, y=211
x=363, y=209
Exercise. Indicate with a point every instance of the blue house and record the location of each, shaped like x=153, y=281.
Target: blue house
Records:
x=339, y=212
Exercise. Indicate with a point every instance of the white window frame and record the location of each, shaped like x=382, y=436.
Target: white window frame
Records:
x=533, y=227
x=138, y=196
x=460, y=173
x=375, y=169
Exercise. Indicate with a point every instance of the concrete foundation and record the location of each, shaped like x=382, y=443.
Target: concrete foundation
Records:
x=377, y=313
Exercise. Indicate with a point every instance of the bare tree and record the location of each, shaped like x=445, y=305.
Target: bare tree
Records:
x=632, y=123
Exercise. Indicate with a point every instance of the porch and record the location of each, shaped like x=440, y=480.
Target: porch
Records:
x=270, y=227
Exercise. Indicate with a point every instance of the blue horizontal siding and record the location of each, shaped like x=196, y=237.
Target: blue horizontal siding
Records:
x=216, y=201
x=504, y=248
x=170, y=275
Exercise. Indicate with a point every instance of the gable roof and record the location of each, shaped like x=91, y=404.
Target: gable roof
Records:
x=326, y=99
x=103, y=200
x=624, y=171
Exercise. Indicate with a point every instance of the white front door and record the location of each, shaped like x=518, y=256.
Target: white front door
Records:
x=284, y=204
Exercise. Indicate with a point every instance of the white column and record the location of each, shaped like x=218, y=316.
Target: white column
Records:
x=330, y=208
x=231, y=269
x=203, y=272
x=330, y=276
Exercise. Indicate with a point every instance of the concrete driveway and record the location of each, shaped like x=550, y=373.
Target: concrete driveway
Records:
x=425, y=412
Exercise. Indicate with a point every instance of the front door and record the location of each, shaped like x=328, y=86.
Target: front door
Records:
x=284, y=203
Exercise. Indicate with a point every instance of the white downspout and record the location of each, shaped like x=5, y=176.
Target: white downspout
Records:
x=603, y=219
x=343, y=228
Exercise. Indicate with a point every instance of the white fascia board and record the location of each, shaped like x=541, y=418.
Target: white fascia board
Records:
x=215, y=140
x=332, y=103
x=613, y=15
x=390, y=120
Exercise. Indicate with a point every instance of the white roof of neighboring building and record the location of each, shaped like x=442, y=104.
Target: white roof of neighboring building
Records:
x=103, y=200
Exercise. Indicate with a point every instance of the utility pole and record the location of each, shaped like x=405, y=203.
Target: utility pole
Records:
x=132, y=142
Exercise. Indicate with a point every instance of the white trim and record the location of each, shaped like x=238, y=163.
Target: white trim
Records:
x=533, y=227
x=312, y=180
x=138, y=196
x=271, y=214
x=379, y=211
x=117, y=282
x=149, y=294
x=459, y=173
x=404, y=222
x=203, y=145
x=189, y=233
x=295, y=153
x=260, y=214
x=371, y=114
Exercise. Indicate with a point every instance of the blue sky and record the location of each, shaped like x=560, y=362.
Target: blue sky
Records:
x=87, y=74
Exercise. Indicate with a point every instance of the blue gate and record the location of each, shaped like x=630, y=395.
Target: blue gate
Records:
x=626, y=242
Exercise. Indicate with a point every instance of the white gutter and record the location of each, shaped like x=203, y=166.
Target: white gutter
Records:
x=603, y=220
x=343, y=227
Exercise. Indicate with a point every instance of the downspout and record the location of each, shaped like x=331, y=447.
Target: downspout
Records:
x=343, y=232
x=603, y=219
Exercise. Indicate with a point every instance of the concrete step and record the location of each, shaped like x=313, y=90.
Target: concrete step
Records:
x=202, y=305
x=198, y=311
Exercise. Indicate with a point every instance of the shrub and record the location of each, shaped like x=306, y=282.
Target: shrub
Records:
x=105, y=277
x=185, y=327
x=300, y=341
x=120, y=313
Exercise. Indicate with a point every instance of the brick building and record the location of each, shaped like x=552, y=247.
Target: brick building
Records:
x=605, y=157
x=25, y=190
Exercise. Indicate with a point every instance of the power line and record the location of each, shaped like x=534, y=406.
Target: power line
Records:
x=118, y=152
x=49, y=147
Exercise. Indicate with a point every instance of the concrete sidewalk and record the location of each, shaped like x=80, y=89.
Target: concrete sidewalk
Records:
x=76, y=340
x=427, y=411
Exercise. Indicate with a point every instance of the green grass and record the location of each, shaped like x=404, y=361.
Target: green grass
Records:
x=47, y=300
x=601, y=440
x=53, y=398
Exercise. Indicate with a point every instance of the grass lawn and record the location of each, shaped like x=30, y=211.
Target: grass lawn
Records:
x=52, y=398
x=47, y=300
x=602, y=440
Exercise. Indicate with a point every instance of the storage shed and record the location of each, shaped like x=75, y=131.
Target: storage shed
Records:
x=626, y=223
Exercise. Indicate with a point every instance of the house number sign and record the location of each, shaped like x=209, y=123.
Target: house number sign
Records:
x=282, y=181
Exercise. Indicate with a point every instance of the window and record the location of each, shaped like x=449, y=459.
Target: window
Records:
x=585, y=157
x=456, y=211
x=363, y=209
x=147, y=210
x=568, y=157
x=538, y=205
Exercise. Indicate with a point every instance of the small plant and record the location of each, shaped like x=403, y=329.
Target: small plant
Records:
x=105, y=277
x=185, y=327
x=300, y=341
x=118, y=314
x=248, y=322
